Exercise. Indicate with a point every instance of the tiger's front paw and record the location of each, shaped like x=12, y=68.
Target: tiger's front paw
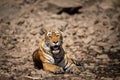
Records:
x=58, y=70
x=74, y=69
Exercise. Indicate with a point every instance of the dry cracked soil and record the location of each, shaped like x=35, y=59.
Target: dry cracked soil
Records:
x=91, y=31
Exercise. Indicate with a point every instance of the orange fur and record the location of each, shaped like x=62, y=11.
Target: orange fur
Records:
x=53, y=58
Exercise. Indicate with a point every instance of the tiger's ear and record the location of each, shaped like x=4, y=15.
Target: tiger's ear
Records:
x=43, y=31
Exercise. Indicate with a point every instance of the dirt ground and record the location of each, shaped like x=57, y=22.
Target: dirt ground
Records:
x=91, y=30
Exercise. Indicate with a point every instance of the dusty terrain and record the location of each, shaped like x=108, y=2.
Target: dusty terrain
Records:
x=91, y=31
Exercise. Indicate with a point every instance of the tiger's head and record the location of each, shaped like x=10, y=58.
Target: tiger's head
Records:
x=53, y=40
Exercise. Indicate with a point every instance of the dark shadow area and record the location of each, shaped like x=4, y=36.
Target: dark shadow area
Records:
x=114, y=55
x=70, y=11
x=112, y=69
x=37, y=63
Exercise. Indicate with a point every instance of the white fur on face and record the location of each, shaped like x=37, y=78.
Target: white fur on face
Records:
x=58, y=43
x=56, y=51
x=46, y=47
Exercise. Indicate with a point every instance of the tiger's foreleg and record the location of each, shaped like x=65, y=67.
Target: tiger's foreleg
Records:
x=71, y=66
x=79, y=64
x=76, y=62
x=52, y=68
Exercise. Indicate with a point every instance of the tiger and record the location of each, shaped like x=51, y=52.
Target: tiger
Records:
x=51, y=57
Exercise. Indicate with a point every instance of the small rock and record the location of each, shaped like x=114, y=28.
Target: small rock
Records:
x=10, y=46
x=108, y=6
x=68, y=41
x=20, y=22
x=104, y=58
x=66, y=4
x=30, y=1
x=96, y=48
x=35, y=31
x=87, y=40
x=91, y=30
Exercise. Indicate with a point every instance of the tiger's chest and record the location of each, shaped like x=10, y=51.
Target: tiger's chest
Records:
x=57, y=59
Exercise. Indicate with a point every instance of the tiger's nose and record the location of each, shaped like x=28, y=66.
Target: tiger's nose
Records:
x=55, y=42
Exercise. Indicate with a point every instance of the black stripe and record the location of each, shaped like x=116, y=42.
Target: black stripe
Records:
x=60, y=60
x=47, y=59
x=67, y=64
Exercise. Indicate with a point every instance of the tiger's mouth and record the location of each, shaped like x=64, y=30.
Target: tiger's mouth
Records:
x=55, y=49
